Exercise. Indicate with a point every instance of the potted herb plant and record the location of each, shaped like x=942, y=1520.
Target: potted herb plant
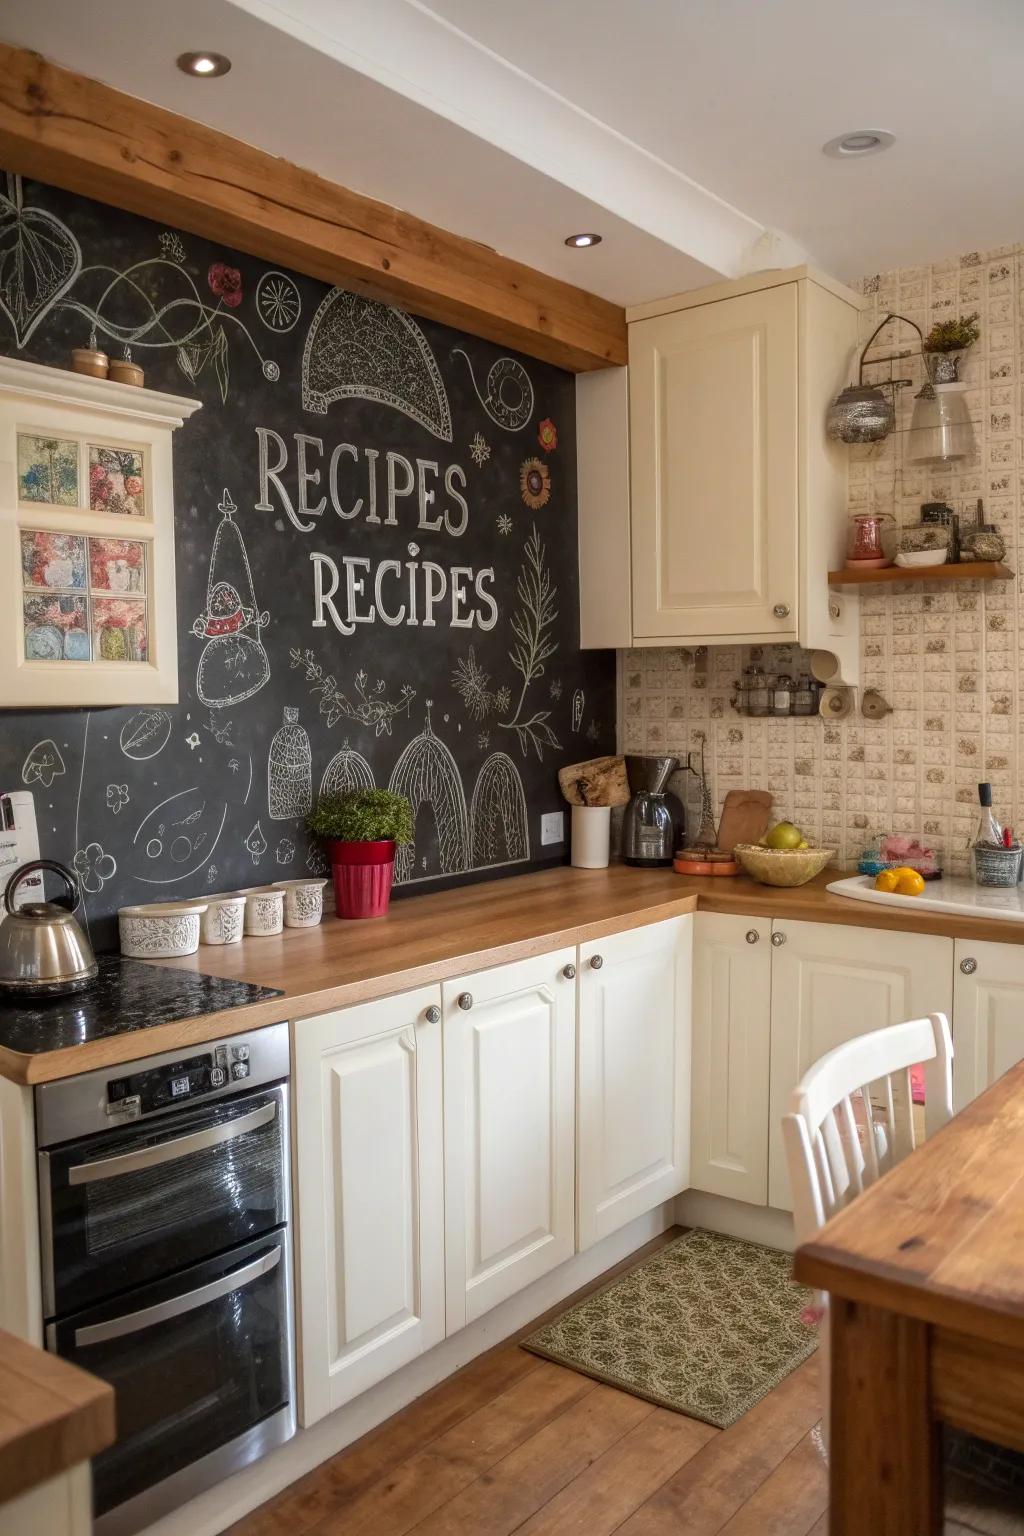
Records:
x=360, y=830
x=946, y=343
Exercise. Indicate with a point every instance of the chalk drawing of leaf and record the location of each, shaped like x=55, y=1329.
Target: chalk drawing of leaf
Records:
x=39, y=260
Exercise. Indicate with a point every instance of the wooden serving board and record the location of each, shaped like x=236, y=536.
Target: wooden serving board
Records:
x=745, y=817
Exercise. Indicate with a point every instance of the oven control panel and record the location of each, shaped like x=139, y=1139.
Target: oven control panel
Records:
x=176, y=1082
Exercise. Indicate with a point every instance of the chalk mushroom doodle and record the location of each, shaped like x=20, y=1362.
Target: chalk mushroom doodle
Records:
x=347, y=769
x=256, y=843
x=428, y=775
x=289, y=771
x=497, y=815
x=508, y=398
x=43, y=764
x=233, y=665
x=359, y=349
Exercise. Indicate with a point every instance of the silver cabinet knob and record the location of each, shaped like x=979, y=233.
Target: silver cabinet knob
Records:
x=781, y=610
x=465, y=1001
x=432, y=1014
x=752, y=935
x=969, y=965
x=569, y=972
x=596, y=962
x=778, y=939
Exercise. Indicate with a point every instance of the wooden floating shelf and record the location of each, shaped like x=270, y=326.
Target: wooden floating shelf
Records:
x=973, y=570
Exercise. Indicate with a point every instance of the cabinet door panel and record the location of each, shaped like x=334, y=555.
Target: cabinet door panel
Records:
x=508, y=1125
x=831, y=983
x=634, y=1097
x=713, y=454
x=370, y=1197
x=731, y=1053
x=988, y=1016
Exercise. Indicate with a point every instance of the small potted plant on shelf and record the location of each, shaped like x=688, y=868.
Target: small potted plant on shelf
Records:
x=945, y=344
x=360, y=830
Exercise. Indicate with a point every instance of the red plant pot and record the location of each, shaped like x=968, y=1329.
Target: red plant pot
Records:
x=362, y=875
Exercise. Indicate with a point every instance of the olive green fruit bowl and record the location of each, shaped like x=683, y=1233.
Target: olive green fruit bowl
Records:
x=782, y=866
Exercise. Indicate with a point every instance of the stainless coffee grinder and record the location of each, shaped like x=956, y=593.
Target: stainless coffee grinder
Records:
x=653, y=825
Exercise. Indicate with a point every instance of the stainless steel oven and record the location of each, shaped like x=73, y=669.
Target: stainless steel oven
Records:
x=167, y=1267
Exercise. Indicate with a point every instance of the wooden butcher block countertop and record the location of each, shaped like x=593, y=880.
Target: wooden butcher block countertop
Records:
x=436, y=937
x=52, y=1416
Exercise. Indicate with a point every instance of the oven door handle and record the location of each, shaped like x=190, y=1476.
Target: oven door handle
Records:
x=170, y=1151
x=134, y=1322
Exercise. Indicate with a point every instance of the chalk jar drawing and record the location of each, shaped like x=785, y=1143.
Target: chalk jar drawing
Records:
x=233, y=665
x=498, y=820
x=359, y=349
x=289, y=771
x=508, y=393
x=347, y=769
x=428, y=775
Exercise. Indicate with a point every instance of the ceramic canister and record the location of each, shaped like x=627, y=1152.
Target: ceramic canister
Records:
x=264, y=909
x=223, y=920
x=160, y=930
x=303, y=902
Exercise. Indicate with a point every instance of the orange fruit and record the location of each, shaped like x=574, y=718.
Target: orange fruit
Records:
x=908, y=882
x=885, y=880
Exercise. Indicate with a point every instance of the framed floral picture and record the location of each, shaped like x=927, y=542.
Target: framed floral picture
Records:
x=117, y=565
x=54, y=561
x=56, y=628
x=117, y=480
x=119, y=629
x=47, y=470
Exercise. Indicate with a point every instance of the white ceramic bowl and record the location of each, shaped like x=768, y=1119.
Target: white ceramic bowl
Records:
x=161, y=930
x=264, y=909
x=303, y=902
x=224, y=920
x=911, y=557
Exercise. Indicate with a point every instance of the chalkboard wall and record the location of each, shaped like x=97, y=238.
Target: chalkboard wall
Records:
x=386, y=507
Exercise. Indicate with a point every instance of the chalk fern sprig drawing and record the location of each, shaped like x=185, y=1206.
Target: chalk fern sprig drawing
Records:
x=534, y=643
x=370, y=707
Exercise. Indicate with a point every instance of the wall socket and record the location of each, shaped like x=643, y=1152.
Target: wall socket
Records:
x=552, y=828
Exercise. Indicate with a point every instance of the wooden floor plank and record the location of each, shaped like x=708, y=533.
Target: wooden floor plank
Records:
x=790, y=1500
x=612, y=1487
x=708, y=1491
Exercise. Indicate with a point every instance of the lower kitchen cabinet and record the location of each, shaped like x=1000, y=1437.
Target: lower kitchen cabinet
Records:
x=830, y=983
x=732, y=988
x=988, y=1015
x=509, y=1129
x=370, y=1194
x=633, y=1109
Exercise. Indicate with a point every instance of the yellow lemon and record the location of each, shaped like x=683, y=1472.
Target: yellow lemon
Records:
x=908, y=882
x=784, y=835
x=885, y=880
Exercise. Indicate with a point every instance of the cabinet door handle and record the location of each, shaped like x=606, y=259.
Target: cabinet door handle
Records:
x=778, y=939
x=968, y=965
x=596, y=962
x=432, y=1014
x=569, y=972
x=781, y=610
x=752, y=935
x=465, y=1001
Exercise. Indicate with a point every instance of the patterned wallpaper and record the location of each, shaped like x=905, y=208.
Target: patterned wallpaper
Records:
x=946, y=659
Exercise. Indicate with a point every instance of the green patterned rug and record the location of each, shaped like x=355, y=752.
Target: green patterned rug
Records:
x=706, y=1326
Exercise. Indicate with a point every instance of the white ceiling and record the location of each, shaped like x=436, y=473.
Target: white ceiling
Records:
x=687, y=132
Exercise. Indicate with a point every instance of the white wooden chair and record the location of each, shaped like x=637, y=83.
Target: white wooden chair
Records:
x=851, y=1118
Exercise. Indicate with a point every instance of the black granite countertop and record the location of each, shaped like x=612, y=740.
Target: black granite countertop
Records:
x=126, y=995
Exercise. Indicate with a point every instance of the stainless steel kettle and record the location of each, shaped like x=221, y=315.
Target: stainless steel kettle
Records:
x=43, y=951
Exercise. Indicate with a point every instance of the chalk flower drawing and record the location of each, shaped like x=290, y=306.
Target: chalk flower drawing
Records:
x=94, y=867
x=171, y=247
x=547, y=435
x=504, y=523
x=370, y=707
x=532, y=624
x=192, y=740
x=117, y=797
x=470, y=682
x=502, y=699
x=226, y=283
x=39, y=261
x=256, y=843
x=479, y=450
x=278, y=302
x=285, y=851
x=483, y=740
x=316, y=859
x=556, y=689
x=43, y=764
x=535, y=484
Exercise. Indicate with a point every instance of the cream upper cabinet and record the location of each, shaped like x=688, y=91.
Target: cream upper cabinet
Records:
x=633, y=1108
x=988, y=1015
x=831, y=983
x=509, y=1129
x=732, y=988
x=370, y=1198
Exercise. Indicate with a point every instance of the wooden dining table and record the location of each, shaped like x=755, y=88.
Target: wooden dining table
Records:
x=926, y=1274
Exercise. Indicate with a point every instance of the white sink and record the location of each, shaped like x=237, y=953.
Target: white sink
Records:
x=952, y=895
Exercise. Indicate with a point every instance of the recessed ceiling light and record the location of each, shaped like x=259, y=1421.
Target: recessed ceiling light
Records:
x=582, y=241
x=205, y=65
x=863, y=141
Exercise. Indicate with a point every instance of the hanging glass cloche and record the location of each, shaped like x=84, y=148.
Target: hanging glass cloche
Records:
x=864, y=413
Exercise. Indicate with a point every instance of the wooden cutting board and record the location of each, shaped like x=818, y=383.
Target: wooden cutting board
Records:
x=745, y=817
x=601, y=781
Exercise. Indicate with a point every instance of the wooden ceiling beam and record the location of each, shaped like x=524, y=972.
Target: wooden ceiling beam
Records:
x=60, y=127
